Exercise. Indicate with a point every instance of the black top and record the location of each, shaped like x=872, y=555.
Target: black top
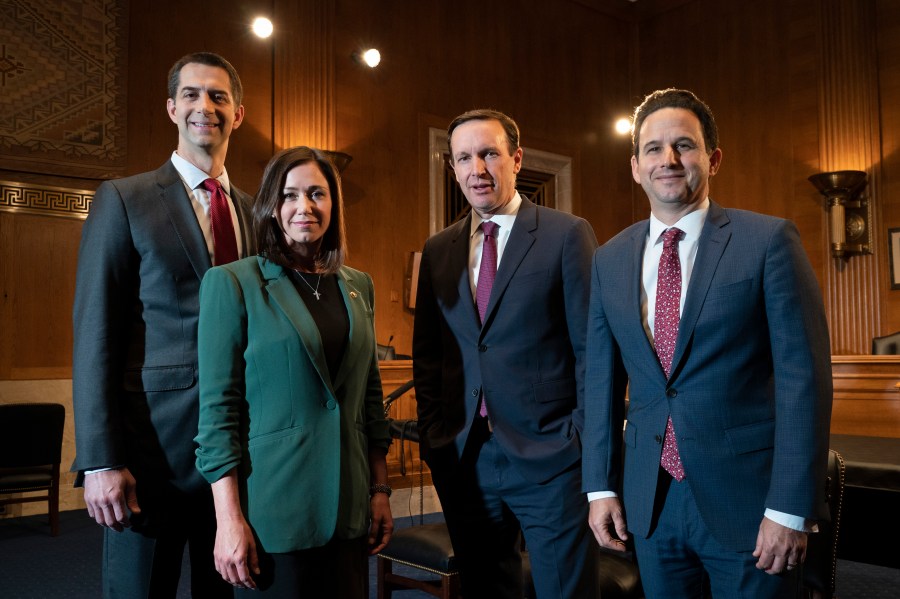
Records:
x=328, y=311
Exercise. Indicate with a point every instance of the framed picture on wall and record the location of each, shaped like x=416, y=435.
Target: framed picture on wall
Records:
x=894, y=249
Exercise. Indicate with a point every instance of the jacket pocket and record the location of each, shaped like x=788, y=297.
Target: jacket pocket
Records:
x=159, y=378
x=554, y=390
x=751, y=437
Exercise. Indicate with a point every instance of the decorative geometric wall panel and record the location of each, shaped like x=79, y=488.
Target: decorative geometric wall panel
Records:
x=63, y=86
x=46, y=201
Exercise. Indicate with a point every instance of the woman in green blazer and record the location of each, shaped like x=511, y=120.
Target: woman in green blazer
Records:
x=292, y=433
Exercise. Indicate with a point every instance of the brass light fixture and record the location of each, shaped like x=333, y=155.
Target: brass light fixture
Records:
x=850, y=211
x=340, y=159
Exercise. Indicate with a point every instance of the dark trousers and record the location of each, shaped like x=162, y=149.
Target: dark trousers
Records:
x=338, y=570
x=682, y=560
x=145, y=560
x=488, y=505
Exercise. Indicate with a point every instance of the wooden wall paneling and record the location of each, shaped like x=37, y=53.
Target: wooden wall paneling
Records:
x=37, y=275
x=734, y=59
x=887, y=24
x=303, y=104
x=805, y=72
x=866, y=396
x=850, y=138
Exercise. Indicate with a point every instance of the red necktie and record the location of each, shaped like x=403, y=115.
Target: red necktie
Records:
x=486, y=273
x=665, y=333
x=224, y=241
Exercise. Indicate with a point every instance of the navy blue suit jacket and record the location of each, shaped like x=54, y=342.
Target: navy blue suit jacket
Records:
x=528, y=358
x=750, y=389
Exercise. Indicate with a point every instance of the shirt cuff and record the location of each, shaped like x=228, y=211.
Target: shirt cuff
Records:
x=600, y=495
x=791, y=521
x=94, y=470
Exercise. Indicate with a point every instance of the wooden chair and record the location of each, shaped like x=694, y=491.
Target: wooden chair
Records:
x=30, y=450
x=426, y=547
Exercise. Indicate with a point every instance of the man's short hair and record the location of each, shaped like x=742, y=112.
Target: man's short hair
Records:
x=487, y=114
x=211, y=60
x=675, y=98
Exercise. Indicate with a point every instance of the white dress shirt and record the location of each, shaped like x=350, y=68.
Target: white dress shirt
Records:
x=193, y=179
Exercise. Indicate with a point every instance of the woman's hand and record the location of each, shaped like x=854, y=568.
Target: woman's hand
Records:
x=382, y=523
x=235, y=550
x=235, y=553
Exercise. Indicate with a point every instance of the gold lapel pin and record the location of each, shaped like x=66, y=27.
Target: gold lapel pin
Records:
x=353, y=294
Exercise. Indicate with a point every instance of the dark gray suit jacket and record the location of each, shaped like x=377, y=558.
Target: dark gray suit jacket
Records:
x=528, y=358
x=140, y=263
x=750, y=389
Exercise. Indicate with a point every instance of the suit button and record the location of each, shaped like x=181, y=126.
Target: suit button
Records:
x=671, y=392
x=331, y=404
x=474, y=392
x=482, y=348
x=658, y=438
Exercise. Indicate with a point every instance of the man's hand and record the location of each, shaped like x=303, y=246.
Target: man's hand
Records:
x=778, y=548
x=111, y=496
x=382, y=523
x=608, y=523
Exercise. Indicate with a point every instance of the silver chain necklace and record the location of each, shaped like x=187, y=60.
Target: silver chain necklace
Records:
x=315, y=289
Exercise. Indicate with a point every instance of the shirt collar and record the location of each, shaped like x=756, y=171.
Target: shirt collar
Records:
x=194, y=177
x=691, y=223
x=505, y=217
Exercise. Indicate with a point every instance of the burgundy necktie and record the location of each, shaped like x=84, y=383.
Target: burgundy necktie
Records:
x=665, y=333
x=224, y=241
x=486, y=273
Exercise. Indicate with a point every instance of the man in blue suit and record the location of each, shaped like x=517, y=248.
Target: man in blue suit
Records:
x=499, y=372
x=714, y=319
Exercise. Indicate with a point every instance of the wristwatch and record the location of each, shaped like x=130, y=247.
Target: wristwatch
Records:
x=377, y=488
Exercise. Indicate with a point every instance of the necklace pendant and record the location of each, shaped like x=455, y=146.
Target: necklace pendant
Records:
x=317, y=294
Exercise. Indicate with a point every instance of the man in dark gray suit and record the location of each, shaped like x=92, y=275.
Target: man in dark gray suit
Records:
x=714, y=319
x=145, y=246
x=499, y=372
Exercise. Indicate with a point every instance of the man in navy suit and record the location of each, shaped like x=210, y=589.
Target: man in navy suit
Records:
x=499, y=372
x=146, y=245
x=729, y=376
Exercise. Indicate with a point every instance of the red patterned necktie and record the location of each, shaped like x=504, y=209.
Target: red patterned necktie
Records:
x=224, y=241
x=665, y=333
x=486, y=273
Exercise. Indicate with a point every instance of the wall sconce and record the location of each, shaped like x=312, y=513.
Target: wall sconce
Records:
x=850, y=211
x=340, y=159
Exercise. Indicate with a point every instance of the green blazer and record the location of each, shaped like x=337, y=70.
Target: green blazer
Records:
x=268, y=405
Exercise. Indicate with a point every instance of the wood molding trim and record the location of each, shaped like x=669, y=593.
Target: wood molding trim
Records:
x=850, y=138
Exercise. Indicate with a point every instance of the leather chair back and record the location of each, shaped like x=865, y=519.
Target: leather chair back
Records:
x=820, y=568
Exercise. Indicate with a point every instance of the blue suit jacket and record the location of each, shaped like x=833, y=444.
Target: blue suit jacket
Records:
x=750, y=389
x=529, y=355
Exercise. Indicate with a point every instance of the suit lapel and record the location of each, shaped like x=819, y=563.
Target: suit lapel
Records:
x=355, y=302
x=634, y=317
x=713, y=241
x=283, y=292
x=178, y=206
x=456, y=269
x=521, y=238
x=242, y=203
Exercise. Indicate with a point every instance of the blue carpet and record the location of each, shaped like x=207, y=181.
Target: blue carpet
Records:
x=34, y=565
